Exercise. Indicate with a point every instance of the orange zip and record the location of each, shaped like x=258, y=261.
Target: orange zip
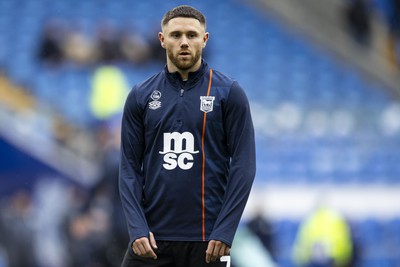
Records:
x=203, y=169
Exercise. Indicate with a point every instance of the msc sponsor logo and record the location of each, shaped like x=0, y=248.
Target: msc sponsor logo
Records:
x=178, y=150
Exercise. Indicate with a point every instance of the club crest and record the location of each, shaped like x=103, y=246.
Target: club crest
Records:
x=207, y=103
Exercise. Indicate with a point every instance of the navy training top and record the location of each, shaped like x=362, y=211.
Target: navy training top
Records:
x=187, y=157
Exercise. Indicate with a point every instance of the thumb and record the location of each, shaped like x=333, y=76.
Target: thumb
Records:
x=153, y=240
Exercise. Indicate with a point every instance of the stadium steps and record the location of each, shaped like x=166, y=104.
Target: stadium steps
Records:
x=14, y=98
x=320, y=20
x=23, y=117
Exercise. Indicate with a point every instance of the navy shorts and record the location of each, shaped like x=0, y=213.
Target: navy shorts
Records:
x=174, y=254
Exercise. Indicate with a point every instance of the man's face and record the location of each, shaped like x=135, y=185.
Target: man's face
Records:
x=184, y=40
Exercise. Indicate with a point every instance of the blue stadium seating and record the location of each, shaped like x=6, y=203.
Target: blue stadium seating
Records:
x=274, y=65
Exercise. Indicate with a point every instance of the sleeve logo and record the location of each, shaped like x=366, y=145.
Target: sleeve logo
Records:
x=155, y=96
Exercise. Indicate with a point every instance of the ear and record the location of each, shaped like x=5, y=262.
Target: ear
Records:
x=161, y=38
x=205, y=39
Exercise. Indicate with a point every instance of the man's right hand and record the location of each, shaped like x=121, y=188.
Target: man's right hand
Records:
x=144, y=247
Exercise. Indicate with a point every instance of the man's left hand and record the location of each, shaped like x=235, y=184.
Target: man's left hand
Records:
x=215, y=250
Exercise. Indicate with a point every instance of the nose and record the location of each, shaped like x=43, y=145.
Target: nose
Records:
x=184, y=41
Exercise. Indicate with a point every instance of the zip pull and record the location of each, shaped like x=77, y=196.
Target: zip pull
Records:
x=182, y=91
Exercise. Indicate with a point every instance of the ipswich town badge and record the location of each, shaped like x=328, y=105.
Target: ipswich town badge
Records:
x=206, y=103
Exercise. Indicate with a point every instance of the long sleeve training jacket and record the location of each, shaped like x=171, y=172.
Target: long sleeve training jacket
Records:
x=187, y=157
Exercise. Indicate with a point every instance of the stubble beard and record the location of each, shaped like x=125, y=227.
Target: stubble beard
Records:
x=182, y=64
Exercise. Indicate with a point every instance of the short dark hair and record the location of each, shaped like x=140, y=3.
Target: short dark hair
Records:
x=184, y=11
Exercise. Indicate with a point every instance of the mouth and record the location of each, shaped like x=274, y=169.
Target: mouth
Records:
x=184, y=53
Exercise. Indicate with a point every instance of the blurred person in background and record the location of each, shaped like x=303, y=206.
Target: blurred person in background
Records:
x=263, y=229
x=107, y=190
x=91, y=227
x=134, y=47
x=248, y=250
x=187, y=154
x=53, y=203
x=358, y=19
x=157, y=52
x=90, y=235
x=78, y=48
x=50, y=50
x=107, y=44
x=17, y=230
x=393, y=43
x=109, y=88
x=323, y=240
x=3, y=257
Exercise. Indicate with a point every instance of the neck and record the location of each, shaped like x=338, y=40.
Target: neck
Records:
x=184, y=73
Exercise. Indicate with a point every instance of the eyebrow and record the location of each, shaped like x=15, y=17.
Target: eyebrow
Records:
x=181, y=32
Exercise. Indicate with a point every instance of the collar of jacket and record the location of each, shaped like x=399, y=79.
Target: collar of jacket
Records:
x=176, y=79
